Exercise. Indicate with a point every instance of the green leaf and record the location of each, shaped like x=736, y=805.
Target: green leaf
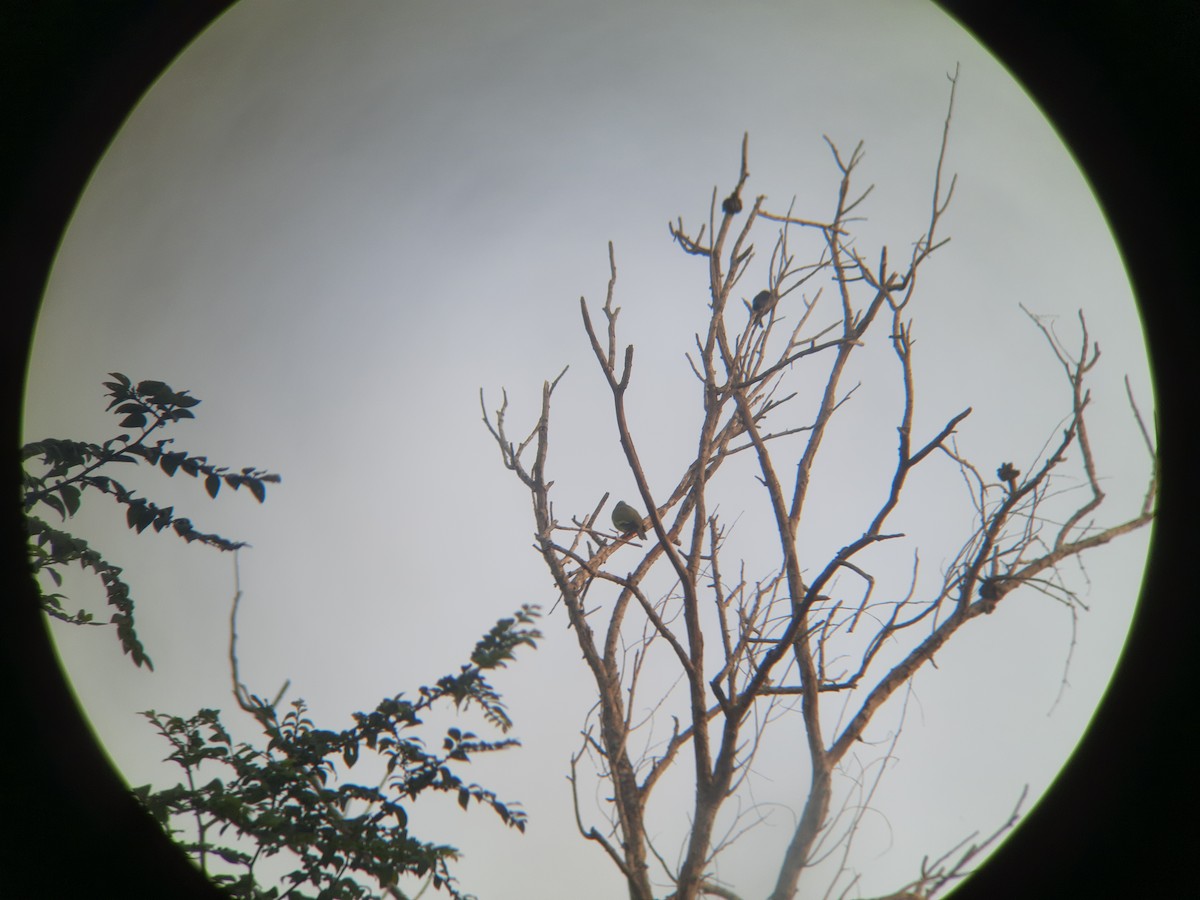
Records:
x=139, y=516
x=70, y=495
x=137, y=420
x=212, y=484
x=257, y=489
x=55, y=504
x=163, y=518
x=178, y=414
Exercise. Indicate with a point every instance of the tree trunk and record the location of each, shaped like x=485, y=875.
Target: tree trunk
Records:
x=815, y=811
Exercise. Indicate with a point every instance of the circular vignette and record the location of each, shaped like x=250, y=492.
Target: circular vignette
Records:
x=73, y=74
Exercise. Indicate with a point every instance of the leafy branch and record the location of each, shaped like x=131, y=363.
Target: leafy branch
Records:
x=70, y=468
x=290, y=796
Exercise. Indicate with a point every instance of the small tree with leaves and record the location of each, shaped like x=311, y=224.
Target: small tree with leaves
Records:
x=71, y=469
x=751, y=648
x=292, y=800
x=289, y=799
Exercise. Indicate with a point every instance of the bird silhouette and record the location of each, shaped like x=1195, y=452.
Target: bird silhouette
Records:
x=627, y=520
x=763, y=303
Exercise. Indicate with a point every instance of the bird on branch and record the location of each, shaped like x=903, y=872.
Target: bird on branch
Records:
x=763, y=303
x=1008, y=472
x=627, y=520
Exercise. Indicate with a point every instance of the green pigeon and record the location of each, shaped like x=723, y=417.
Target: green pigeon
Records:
x=763, y=303
x=627, y=520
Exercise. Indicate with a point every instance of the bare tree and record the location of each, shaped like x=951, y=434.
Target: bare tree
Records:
x=752, y=650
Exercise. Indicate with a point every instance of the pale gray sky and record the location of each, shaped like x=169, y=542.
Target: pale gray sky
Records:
x=335, y=223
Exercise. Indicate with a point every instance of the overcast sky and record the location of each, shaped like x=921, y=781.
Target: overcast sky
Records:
x=335, y=223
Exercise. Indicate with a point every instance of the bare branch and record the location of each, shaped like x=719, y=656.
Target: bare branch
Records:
x=710, y=661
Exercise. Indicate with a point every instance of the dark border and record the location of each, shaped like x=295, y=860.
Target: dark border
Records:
x=1120, y=82
x=69, y=74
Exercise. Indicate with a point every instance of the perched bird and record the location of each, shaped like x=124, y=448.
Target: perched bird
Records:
x=763, y=303
x=626, y=519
